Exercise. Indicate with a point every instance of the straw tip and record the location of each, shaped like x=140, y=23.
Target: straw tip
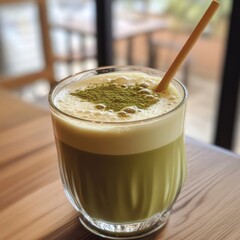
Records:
x=217, y=3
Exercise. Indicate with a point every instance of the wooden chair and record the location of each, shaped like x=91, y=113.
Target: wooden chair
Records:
x=47, y=72
x=82, y=54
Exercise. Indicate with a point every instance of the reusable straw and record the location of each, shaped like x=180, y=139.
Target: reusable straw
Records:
x=187, y=46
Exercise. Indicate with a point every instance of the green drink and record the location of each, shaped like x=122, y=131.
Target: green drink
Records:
x=121, y=169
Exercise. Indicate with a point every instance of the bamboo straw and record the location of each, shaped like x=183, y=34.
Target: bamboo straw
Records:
x=187, y=46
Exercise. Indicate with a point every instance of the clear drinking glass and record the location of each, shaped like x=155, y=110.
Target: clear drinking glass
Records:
x=122, y=177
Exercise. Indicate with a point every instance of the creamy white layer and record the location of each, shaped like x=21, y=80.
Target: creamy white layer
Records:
x=122, y=136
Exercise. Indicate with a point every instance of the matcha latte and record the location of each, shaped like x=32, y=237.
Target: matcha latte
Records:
x=121, y=149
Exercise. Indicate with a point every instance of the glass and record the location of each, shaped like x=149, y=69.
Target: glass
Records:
x=122, y=177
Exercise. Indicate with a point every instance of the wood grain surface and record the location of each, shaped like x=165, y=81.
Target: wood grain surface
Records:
x=33, y=204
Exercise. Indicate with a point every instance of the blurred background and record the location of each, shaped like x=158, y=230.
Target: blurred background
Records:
x=45, y=41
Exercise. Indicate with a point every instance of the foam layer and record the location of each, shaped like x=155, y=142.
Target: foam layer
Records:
x=76, y=107
x=122, y=135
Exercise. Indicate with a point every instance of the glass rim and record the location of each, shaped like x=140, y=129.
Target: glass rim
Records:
x=114, y=68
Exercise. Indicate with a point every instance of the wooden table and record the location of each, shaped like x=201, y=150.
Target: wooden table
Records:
x=126, y=27
x=33, y=205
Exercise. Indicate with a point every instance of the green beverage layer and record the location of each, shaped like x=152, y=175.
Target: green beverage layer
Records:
x=123, y=188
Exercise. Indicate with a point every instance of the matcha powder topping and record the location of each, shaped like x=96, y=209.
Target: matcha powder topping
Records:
x=110, y=96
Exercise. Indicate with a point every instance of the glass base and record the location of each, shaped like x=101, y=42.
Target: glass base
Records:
x=125, y=231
